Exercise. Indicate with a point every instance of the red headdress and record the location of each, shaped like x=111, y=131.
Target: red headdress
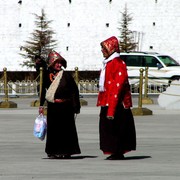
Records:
x=111, y=45
x=54, y=56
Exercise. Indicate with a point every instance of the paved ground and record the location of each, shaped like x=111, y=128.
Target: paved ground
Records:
x=157, y=156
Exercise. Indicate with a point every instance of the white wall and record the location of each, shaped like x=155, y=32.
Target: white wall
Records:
x=88, y=28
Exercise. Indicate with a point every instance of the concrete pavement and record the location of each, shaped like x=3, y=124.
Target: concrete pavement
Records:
x=22, y=156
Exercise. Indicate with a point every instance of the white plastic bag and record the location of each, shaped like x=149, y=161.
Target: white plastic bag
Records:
x=40, y=126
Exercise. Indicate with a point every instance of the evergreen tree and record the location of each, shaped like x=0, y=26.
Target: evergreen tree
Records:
x=126, y=36
x=41, y=42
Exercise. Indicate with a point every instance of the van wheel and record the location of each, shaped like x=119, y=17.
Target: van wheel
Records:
x=173, y=79
x=162, y=88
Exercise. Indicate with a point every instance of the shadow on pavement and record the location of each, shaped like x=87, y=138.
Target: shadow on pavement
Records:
x=73, y=157
x=136, y=157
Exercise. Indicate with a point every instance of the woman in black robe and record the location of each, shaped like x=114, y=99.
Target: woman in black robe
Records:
x=61, y=93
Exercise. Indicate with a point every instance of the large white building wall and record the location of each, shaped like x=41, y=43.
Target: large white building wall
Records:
x=155, y=25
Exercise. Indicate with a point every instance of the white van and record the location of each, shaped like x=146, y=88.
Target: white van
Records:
x=161, y=68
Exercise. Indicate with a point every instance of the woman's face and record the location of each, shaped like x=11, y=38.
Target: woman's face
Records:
x=57, y=66
x=105, y=52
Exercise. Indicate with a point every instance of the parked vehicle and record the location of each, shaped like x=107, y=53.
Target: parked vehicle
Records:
x=161, y=68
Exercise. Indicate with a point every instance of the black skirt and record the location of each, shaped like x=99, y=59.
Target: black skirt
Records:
x=117, y=135
x=62, y=135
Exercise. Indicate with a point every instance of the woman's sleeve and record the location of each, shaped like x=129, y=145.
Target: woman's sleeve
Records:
x=42, y=94
x=74, y=95
x=118, y=80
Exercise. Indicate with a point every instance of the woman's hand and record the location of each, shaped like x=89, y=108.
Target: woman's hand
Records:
x=41, y=110
x=110, y=117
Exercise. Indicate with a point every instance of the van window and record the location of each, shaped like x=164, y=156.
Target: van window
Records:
x=132, y=60
x=150, y=61
x=168, y=61
x=140, y=61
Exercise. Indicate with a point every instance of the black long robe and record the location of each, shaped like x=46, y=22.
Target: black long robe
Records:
x=117, y=135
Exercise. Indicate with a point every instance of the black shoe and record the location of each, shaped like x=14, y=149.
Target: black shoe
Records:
x=59, y=156
x=67, y=156
x=115, y=157
x=52, y=156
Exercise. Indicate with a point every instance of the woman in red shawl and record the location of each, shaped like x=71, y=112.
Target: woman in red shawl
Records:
x=117, y=129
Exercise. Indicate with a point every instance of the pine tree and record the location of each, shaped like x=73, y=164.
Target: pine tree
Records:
x=126, y=36
x=41, y=42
